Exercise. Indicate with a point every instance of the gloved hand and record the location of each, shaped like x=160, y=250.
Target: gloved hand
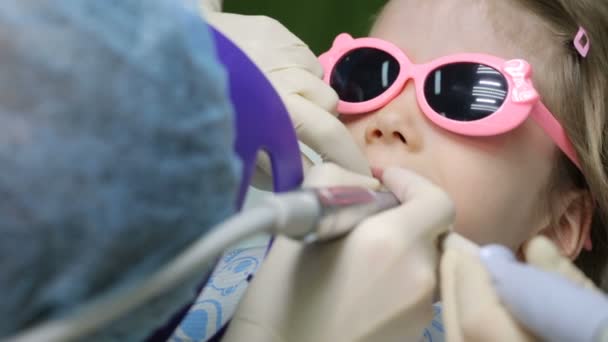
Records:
x=556, y=302
x=472, y=311
x=211, y=5
x=489, y=296
x=543, y=254
x=295, y=73
x=376, y=284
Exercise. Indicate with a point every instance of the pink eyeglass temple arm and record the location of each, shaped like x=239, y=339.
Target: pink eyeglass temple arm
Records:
x=552, y=127
x=549, y=124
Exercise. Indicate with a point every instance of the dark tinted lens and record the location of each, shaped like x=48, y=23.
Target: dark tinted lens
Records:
x=363, y=74
x=465, y=91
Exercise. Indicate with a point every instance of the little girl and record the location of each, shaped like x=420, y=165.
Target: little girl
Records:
x=500, y=103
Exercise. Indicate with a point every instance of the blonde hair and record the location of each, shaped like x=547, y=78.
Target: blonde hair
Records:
x=577, y=93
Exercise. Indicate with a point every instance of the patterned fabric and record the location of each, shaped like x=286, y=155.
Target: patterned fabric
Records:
x=218, y=300
x=434, y=332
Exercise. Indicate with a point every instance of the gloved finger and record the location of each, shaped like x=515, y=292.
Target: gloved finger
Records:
x=424, y=204
x=425, y=213
x=263, y=162
x=456, y=241
x=211, y=5
x=266, y=41
x=409, y=186
x=302, y=82
x=410, y=274
x=296, y=55
x=542, y=253
x=472, y=310
x=307, y=164
x=262, y=175
x=328, y=174
x=325, y=135
x=392, y=252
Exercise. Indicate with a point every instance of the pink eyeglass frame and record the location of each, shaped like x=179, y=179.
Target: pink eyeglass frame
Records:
x=522, y=99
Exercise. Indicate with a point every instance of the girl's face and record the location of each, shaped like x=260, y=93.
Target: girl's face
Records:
x=497, y=183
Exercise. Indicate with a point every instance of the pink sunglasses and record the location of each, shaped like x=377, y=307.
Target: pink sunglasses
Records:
x=468, y=94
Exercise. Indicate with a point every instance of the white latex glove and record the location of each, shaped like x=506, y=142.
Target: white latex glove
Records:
x=296, y=74
x=472, y=311
x=543, y=254
x=557, y=303
x=488, y=295
x=211, y=5
x=376, y=284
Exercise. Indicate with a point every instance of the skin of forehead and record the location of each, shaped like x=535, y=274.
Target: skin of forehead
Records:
x=428, y=29
x=498, y=27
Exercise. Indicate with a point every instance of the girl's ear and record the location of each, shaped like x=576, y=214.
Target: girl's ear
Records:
x=571, y=227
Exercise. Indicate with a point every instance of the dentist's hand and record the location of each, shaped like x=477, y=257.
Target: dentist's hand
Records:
x=553, y=300
x=211, y=5
x=472, y=311
x=295, y=73
x=488, y=295
x=376, y=284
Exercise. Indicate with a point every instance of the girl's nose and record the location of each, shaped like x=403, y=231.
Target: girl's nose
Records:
x=395, y=123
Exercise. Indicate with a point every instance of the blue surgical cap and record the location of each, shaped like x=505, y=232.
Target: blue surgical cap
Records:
x=116, y=152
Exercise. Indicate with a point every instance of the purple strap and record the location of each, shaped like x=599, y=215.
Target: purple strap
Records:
x=262, y=120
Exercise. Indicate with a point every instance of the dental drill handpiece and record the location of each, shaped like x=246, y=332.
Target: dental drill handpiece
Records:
x=324, y=214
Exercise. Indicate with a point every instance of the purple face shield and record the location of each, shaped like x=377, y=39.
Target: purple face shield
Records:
x=262, y=122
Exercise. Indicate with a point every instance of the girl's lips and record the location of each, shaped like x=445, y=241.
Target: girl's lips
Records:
x=377, y=172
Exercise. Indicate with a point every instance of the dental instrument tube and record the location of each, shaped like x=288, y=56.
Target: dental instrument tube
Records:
x=311, y=215
x=550, y=306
